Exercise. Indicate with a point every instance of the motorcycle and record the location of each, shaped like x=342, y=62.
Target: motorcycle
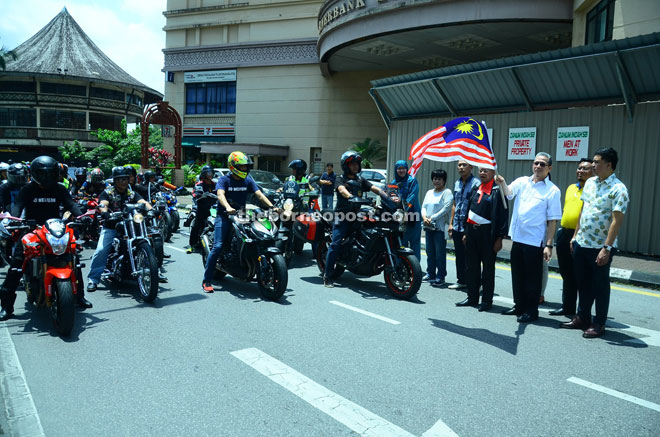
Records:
x=11, y=231
x=293, y=204
x=90, y=226
x=250, y=252
x=131, y=255
x=170, y=200
x=373, y=245
x=51, y=269
x=163, y=219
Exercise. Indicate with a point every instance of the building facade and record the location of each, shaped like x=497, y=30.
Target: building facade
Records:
x=60, y=88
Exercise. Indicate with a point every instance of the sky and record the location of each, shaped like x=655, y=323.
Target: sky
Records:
x=130, y=32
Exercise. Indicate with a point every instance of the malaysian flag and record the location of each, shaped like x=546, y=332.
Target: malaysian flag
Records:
x=463, y=138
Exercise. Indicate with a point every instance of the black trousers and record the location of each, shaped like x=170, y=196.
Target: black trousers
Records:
x=526, y=277
x=459, y=253
x=593, y=283
x=480, y=258
x=197, y=228
x=566, y=269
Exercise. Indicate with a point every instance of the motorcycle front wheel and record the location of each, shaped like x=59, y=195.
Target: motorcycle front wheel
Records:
x=165, y=227
x=274, y=278
x=146, y=265
x=176, y=220
x=406, y=278
x=63, y=308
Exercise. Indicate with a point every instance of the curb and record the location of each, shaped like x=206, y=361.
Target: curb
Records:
x=625, y=276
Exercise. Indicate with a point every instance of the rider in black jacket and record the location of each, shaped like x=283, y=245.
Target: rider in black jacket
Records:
x=17, y=177
x=201, y=210
x=39, y=200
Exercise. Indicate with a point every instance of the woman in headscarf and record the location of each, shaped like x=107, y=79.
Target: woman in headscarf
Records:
x=409, y=195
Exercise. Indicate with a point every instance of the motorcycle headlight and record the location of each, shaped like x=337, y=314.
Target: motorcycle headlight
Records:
x=138, y=218
x=288, y=205
x=58, y=244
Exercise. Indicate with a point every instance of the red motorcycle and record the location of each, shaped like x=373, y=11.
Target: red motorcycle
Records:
x=90, y=226
x=50, y=270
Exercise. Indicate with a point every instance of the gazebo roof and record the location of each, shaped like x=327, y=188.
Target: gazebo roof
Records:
x=62, y=49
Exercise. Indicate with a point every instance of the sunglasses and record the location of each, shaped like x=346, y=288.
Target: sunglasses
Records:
x=540, y=163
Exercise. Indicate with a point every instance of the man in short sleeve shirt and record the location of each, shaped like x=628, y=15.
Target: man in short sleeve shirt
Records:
x=533, y=222
x=605, y=201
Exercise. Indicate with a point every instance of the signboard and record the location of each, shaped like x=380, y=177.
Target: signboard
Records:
x=522, y=143
x=209, y=76
x=208, y=131
x=572, y=143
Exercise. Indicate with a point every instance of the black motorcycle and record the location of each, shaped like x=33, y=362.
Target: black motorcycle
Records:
x=132, y=255
x=250, y=252
x=373, y=245
x=293, y=204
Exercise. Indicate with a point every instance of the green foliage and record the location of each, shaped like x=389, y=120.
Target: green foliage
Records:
x=74, y=152
x=6, y=55
x=370, y=150
x=190, y=173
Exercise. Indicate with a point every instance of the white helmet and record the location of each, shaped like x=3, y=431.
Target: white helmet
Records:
x=4, y=166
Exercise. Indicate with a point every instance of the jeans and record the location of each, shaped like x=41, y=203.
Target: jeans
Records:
x=222, y=228
x=436, y=255
x=327, y=201
x=412, y=238
x=461, y=261
x=339, y=231
x=593, y=283
x=100, y=257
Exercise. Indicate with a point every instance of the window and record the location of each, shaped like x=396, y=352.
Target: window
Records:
x=270, y=163
x=134, y=99
x=18, y=117
x=63, y=88
x=105, y=121
x=63, y=119
x=104, y=93
x=211, y=98
x=600, y=22
x=16, y=86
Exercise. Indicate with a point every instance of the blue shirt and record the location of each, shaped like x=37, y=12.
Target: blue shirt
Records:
x=409, y=194
x=462, y=192
x=236, y=191
x=328, y=190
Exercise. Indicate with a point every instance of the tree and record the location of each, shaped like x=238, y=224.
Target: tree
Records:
x=6, y=55
x=74, y=152
x=370, y=150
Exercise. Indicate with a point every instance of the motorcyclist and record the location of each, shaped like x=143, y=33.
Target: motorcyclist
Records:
x=148, y=187
x=4, y=167
x=38, y=200
x=132, y=176
x=112, y=199
x=80, y=179
x=17, y=177
x=64, y=176
x=232, y=190
x=349, y=185
x=95, y=185
x=200, y=211
x=298, y=169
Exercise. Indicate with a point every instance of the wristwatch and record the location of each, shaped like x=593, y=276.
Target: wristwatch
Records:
x=607, y=248
x=549, y=246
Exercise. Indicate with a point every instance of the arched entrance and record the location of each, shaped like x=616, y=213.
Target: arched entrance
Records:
x=161, y=113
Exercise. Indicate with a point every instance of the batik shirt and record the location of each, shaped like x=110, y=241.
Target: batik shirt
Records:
x=600, y=200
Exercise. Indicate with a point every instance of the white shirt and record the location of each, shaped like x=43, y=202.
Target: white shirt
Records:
x=437, y=205
x=536, y=204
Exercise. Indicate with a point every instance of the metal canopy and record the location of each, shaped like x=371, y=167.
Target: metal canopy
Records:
x=620, y=71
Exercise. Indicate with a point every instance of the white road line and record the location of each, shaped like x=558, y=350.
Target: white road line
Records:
x=366, y=313
x=19, y=407
x=615, y=393
x=440, y=429
x=360, y=420
x=175, y=248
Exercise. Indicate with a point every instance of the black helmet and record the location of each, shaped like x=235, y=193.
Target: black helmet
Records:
x=131, y=170
x=299, y=165
x=348, y=157
x=45, y=171
x=120, y=172
x=148, y=175
x=97, y=176
x=80, y=171
x=64, y=170
x=206, y=170
x=17, y=175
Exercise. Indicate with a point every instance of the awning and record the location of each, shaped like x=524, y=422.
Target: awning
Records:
x=248, y=149
x=189, y=141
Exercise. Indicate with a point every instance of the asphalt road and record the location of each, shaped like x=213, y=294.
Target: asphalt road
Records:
x=230, y=363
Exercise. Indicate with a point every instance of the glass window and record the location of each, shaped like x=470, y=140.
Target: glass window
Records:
x=16, y=86
x=104, y=93
x=63, y=119
x=18, y=117
x=134, y=99
x=63, y=88
x=105, y=121
x=211, y=98
x=600, y=22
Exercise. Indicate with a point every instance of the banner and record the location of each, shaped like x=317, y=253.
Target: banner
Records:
x=522, y=143
x=209, y=76
x=572, y=143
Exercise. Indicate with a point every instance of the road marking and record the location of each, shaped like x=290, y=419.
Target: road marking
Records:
x=615, y=393
x=19, y=407
x=366, y=313
x=348, y=413
x=175, y=248
x=440, y=429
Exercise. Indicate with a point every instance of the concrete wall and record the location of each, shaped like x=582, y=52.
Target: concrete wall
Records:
x=631, y=18
x=636, y=142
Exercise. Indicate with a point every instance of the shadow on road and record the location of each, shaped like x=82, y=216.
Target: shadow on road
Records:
x=246, y=290
x=368, y=288
x=504, y=342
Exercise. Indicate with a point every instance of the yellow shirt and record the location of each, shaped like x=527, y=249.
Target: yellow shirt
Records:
x=572, y=207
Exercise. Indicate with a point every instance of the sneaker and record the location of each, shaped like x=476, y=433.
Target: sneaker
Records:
x=438, y=283
x=190, y=250
x=327, y=283
x=428, y=278
x=91, y=287
x=207, y=287
x=457, y=286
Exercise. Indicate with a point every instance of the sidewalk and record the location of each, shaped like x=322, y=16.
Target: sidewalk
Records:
x=632, y=269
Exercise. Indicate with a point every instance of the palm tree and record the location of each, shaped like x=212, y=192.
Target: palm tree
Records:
x=370, y=151
x=6, y=55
